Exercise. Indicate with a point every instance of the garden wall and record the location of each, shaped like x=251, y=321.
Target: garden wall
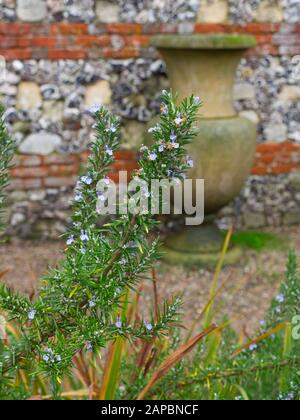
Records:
x=62, y=56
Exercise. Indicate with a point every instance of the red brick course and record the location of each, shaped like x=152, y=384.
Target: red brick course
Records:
x=58, y=41
x=33, y=172
x=74, y=40
x=277, y=158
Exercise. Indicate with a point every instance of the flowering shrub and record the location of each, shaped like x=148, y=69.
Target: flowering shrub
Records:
x=88, y=303
x=79, y=304
x=266, y=367
x=6, y=154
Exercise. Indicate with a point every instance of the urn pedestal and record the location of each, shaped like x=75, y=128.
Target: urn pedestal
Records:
x=224, y=150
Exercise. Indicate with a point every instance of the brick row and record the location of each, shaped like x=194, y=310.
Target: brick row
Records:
x=33, y=172
x=78, y=41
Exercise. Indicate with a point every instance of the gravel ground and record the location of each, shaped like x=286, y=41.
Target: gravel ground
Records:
x=248, y=289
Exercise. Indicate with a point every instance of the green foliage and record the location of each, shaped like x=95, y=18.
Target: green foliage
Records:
x=259, y=241
x=266, y=367
x=6, y=155
x=79, y=303
x=90, y=303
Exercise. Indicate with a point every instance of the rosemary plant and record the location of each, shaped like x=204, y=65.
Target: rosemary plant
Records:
x=79, y=303
x=6, y=155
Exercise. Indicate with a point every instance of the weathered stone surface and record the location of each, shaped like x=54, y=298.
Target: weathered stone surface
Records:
x=99, y=93
x=291, y=218
x=38, y=195
x=9, y=90
x=12, y=78
x=254, y=220
x=107, y=11
x=132, y=134
x=17, y=218
x=250, y=115
x=53, y=110
x=269, y=11
x=21, y=127
x=50, y=92
x=244, y=91
x=276, y=133
x=294, y=179
x=29, y=96
x=213, y=11
x=56, y=6
x=31, y=10
x=290, y=94
x=40, y=144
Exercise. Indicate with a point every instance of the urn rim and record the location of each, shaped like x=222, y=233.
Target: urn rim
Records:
x=204, y=41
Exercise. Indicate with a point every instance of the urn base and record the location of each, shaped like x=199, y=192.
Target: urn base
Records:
x=199, y=246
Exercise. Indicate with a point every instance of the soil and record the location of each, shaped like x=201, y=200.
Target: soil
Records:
x=248, y=289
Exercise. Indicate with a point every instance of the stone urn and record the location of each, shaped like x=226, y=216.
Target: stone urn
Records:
x=224, y=151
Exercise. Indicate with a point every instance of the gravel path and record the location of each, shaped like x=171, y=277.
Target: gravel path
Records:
x=246, y=295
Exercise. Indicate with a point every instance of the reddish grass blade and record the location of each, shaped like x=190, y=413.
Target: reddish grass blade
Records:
x=3, y=273
x=260, y=338
x=112, y=370
x=172, y=360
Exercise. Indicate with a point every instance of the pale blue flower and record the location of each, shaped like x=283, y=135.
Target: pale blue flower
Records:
x=46, y=358
x=161, y=148
x=112, y=129
x=253, y=347
x=84, y=236
x=178, y=120
x=92, y=303
x=173, y=137
x=86, y=180
x=132, y=244
x=89, y=346
x=197, y=100
x=280, y=298
x=190, y=162
x=94, y=108
x=119, y=323
x=164, y=109
x=71, y=240
x=83, y=251
x=148, y=326
x=31, y=314
x=153, y=156
x=58, y=358
x=109, y=151
x=78, y=197
x=154, y=129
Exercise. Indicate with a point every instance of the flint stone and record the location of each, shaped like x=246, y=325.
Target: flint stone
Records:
x=107, y=11
x=99, y=93
x=276, y=132
x=290, y=94
x=244, y=91
x=213, y=11
x=42, y=143
x=31, y=10
x=29, y=96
